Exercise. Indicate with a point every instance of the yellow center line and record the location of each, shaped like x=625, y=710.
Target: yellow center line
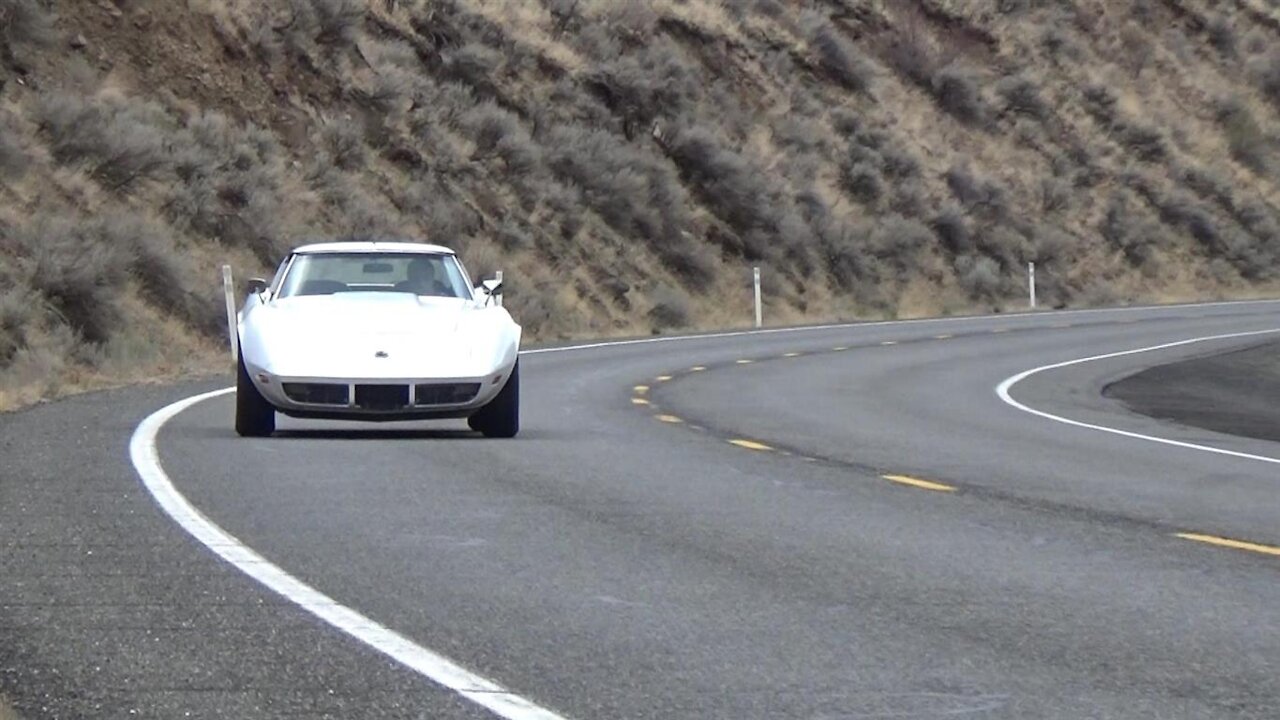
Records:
x=697, y=368
x=750, y=445
x=668, y=419
x=745, y=362
x=943, y=337
x=662, y=378
x=889, y=342
x=1234, y=544
x=840, y=348
x=639, y=401
x=917, y=482
x=640, y=389
x=792, y=354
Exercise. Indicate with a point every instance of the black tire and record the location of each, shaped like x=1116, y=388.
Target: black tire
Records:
x=501, y=417
x=255, y=417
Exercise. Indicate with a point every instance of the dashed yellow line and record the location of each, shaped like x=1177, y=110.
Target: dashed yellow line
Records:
x=840, y=348
x=943, y=337
x=889, y=342
x=697, y=368
x=671, y=419
x=1229, y=543
x=791, y=355
x=639, y=401
x=640, y=389
x=745, y=362
x=917, y=482
x=662, y=378
x=751, y=445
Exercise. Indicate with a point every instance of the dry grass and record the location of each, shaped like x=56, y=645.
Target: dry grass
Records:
x=7, y=712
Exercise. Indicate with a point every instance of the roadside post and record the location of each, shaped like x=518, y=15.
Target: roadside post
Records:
x=756, y=284
x=497, y=299
x=1031, y=283
x=228, y=289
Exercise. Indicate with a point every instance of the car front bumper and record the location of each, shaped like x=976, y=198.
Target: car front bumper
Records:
x=379, y=399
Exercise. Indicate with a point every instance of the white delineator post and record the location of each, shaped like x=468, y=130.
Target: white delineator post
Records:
x=755, y=272
x=497, y=299
x=229, y=289
x=1031, y=283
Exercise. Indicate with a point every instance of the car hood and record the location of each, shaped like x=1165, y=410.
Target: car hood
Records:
x=381, y=335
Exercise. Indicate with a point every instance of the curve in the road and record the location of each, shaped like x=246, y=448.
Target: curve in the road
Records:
x=1004, y=391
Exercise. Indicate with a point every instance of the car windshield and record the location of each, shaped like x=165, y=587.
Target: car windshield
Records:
x=417, y=273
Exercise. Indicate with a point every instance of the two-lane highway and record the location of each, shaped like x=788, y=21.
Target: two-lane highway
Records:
x=612, y=562
x=841, y=522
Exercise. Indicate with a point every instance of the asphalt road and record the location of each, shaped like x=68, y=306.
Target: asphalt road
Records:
x=721, y=544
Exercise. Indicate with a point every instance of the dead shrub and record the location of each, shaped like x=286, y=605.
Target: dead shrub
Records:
x=24, y=22
x=16, y=314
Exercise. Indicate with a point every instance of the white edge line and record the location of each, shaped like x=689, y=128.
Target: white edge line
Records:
x=1004, y=388
x=430, y=664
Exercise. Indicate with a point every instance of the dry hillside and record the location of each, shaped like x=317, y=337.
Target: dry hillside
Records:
x=625, y=162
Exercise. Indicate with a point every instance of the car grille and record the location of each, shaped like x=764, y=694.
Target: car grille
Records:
x=317, y=393
x=382, y=397
x=445, y=393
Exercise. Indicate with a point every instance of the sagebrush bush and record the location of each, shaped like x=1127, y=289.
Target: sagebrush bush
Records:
x=670, y=308
x=16, y=315
x=122, y=141
x=1145, y=142
x=13, y=156
x=1022, y=97
x=1248, y=144
x=953, y=231
x=1266, y=70
x=979, y=276
x=343, y=139
x=863, y=182
x=835, y=54
x=653, y=81
x=78, y=275
x=980, y=197
x=633, y=191
x=732, y=186
x=957, y=91
x=23, y=22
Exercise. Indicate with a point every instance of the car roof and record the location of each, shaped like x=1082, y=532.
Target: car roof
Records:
x=372, y=246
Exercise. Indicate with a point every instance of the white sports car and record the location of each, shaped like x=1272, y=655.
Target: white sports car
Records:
x=376, y=331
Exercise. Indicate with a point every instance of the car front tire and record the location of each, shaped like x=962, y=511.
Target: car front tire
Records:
x=501, y=417
x=255, y=417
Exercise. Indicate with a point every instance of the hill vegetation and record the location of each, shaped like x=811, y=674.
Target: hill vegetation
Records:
x=625, y=162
